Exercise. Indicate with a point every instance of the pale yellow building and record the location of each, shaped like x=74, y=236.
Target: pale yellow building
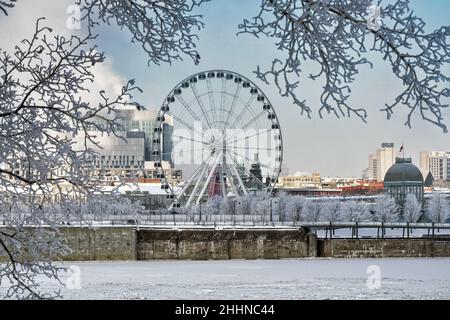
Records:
x=301, y=180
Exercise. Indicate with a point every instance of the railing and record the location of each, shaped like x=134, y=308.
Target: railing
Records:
x=327, y=230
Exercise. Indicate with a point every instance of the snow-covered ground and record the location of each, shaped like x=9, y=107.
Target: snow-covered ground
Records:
x=263, y=279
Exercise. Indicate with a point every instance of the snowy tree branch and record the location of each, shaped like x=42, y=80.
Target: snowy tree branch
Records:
x=164, y=29
x=44, y=172
x=336, y=34
x=6, y=4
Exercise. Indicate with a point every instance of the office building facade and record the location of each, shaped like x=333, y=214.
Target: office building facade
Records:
x=380, y=162
x=436, y=162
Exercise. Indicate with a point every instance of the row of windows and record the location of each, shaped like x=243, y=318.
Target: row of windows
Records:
x=401, y=192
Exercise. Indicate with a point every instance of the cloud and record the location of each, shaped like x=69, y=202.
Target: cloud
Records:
x=21, y=22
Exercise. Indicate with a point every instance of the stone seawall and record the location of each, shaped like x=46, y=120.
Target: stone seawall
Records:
x=224, y=244
x=94, y=244
x=383, y=248
x=103, y=243
x=127, y=243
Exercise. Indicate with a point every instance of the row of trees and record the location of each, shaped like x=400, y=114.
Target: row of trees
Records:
x=298, y=208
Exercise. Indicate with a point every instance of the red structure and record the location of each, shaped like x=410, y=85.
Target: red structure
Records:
x=311, y=192
x=215, y=188
x=363, y=188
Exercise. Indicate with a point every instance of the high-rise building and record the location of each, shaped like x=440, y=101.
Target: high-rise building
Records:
x=372, y=173
x=436, y=162
x=381, y=161
x=133, y=120
x=385, y=159
x=145, y=121
x=116, y=153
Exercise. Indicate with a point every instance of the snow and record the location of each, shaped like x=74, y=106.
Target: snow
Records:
x=261, y=279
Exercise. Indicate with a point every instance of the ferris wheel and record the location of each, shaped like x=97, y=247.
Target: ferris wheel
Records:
x=221, y=130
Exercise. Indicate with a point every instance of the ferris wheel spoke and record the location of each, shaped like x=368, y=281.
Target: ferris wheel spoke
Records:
x=249, y=160
x=244, y=109
x=187, y=125
x=198, y=183
x=230, y=180
x=222, y=182
x=249, y=173
x=190, y=139
x=233, y=105
x=210, y=175
x=245, y=126
x=222, y=99
x=257, y=148
x=192, y=179
x=236, y=174
x=186, y=150
x=188, y=108
x=211, y=100
x=250, y=136
x=201, y=105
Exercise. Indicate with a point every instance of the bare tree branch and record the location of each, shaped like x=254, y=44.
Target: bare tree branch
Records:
x=336, y=34
x=6, y=4
x=44, y=173
x=165, y=29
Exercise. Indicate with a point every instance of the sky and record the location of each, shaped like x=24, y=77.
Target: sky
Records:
x=331, y=146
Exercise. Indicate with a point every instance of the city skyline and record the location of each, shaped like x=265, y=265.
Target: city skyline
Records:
x=334, y=147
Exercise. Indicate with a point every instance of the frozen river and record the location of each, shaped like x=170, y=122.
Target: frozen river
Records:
x=263, y=279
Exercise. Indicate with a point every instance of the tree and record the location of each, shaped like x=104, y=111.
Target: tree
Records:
x=227, y=206
x=354, y=211
x=412, y=210
x=164, y=29
x=213, y=206
x=280, y=208
x=338, y=35
x=331, y=211
x=112, y=206
x=243, y=205
x=311, y=211
x=43, y=108
x=261, y=204
x=386, y=209
x=294, y=208
x=438, y=209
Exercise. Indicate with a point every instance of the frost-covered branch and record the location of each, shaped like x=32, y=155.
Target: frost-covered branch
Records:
x=386, y=209
x=5, y=5
x=43, y=169
x=336, y=34
x=166, y=30
x=412, y=210
x=438, y=208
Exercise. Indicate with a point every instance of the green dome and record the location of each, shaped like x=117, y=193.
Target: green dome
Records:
x=403, y=170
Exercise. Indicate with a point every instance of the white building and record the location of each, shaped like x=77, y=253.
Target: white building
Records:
x=436, y=162
x=380, y=162
x=372, y=172
x=121, y=154
x=133, y=120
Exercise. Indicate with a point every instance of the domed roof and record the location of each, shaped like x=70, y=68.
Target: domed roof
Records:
x=403, y=170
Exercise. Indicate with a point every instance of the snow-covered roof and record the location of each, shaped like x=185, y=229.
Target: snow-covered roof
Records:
x=151, y=188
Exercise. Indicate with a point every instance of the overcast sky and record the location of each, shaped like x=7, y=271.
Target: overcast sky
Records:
x=336, y=147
